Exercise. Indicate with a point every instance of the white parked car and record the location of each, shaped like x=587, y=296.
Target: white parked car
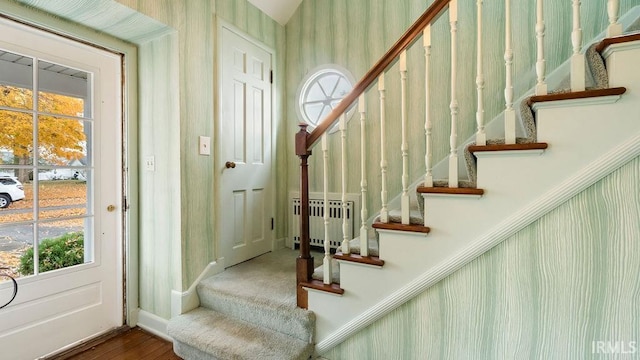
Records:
x=10, y=190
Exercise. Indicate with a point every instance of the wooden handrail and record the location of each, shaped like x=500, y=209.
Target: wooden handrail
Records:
x=431, y=14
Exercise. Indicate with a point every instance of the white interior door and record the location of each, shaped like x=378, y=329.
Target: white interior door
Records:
x=61, y=143
x=245, y=156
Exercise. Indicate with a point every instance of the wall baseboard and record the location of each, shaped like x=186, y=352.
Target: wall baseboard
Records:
x=279, y=243
x=154, y=324
x=182, y=302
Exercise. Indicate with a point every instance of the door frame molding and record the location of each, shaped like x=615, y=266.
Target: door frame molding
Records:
x=219, y=24
x=129, y=127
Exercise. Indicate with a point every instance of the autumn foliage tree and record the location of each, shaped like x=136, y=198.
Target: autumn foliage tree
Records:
x=60, y=140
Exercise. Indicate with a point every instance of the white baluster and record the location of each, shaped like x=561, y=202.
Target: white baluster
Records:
x=541, y=86
x=453, y=139
x=404, y=148
x=481, y=136
x=384, y=212
x=509, y=112
x=613, y=10
x=577, y=59
x=364, y=213
x=426, y=40
x=326, y=261
x=343, y=136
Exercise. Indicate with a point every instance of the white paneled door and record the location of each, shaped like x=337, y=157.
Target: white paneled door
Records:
x=60, y=160
x=245, y=153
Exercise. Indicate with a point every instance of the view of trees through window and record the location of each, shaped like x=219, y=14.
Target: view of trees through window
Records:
x=55, y=148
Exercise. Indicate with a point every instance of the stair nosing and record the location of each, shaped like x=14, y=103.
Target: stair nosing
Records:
x=508, y=147
x=449, y=190
x=401, y=227
x=357, y=258
x=314, y=284
x=623, y=38
x=577, y=95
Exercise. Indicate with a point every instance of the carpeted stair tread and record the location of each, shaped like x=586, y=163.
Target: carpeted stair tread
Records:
x=206, y=334
x=318, y=273
x=354, y=246
x=395, y=216
x=261, y=291
x=357, y=258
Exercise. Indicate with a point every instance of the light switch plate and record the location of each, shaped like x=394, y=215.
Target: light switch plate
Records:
x=205, y=145
x=150, y=163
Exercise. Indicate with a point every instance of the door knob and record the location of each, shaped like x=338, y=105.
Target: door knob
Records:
x=111, y=208
x=230, y=165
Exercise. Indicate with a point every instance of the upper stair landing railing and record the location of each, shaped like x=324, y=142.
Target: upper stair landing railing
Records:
x=305, y=141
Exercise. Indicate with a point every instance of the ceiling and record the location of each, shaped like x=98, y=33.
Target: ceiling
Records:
x=279, y=10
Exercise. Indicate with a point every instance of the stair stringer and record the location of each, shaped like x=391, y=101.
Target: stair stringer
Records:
x=518, y=190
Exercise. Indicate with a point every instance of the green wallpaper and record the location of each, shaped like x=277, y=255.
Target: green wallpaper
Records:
x=194, y=60
x=356, y=33
x=160, y=255
x=548, y=292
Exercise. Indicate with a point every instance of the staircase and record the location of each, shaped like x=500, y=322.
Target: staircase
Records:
x=247, y=312
x=561, y=146
x=567, y=141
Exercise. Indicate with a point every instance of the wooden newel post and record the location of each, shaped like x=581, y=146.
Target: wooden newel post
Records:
x=304, y=262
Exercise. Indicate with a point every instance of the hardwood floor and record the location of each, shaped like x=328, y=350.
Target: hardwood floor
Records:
x=134, y=344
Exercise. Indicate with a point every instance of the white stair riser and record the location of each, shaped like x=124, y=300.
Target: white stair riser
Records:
x=368, y=285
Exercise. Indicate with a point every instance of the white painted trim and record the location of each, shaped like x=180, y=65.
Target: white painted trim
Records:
x=620, y=47
x=280, y=243
x=321, y=291
x=492, y=154
x=402, y=232
x=353, y=263
x=153, y=324
x=576, y=102
x=589, y=175
x=182, y=302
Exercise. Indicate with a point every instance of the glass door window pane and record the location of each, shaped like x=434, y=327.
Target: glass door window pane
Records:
x=16, y=138
x=16, y=82
x=63, y=142
x=15, y=242
x=63, y=90
x=51, y=164
x=63, y=197
x=16, y=197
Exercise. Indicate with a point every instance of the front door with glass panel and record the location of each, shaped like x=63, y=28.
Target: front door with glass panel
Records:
x=60, y=191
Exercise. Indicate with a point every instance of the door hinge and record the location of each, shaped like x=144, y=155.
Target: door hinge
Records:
x=271, y=76
x=126, y=204
x=272, y=224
